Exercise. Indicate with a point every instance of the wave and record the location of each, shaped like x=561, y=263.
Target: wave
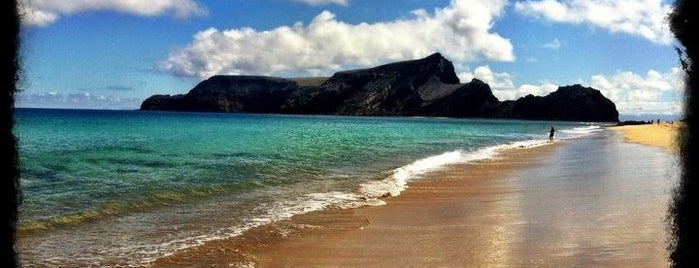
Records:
x=578, y=132
x=117, y=208
x=144, y=254
x=397, y=182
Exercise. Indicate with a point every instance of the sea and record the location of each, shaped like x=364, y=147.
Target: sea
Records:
x=123, y=188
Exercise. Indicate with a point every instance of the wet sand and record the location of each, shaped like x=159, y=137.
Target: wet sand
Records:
x=595, y=201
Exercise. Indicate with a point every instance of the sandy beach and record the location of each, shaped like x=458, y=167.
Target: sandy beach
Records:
x=591, y=202
x=662, y=135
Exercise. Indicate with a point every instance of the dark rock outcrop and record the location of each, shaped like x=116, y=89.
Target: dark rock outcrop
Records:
x=402, y=88
x=425, y=87
x=568, y=103
x=254, y=94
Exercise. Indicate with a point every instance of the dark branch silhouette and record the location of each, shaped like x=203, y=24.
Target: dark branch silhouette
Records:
x=683, y=223
x=8, y=164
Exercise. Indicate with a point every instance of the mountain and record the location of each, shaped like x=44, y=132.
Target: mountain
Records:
x=567, y=103
x=423, y=87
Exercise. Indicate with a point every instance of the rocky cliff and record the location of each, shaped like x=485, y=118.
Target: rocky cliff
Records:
x=568, y=103
x=255, y=94
x=425, y=87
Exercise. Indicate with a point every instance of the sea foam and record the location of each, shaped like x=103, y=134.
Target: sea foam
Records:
x=578, y=132
x=397, y=182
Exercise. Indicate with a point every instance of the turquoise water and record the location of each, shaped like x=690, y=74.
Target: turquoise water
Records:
x=125, y=187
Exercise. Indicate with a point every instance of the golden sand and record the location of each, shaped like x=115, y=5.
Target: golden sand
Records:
x=662, y=135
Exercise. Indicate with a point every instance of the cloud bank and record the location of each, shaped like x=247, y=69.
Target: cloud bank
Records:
x=653, y=92
x=633, y=94
x=644, y=18
x=83, y=100
x=461, y=31
x=45, y=12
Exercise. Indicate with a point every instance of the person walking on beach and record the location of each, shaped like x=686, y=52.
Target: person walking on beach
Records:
x=551, y=133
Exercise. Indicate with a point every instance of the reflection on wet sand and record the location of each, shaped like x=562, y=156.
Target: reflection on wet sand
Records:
x=598, y=202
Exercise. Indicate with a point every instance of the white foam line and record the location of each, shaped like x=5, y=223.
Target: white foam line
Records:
x=578, y=132
x=277, y=211
x=397, y=182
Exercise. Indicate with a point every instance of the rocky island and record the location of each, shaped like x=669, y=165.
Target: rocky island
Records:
x=423, y=87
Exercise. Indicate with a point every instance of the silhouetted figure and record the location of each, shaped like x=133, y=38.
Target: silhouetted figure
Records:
x=551, y=133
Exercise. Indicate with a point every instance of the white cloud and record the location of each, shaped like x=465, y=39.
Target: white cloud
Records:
x=503, y=86
x=536, y=90
x=633, y=94
x=554, y=44
x=500, y=83
x=644, y=18
x=45, y=12
x=460, y=31
x=324, y=2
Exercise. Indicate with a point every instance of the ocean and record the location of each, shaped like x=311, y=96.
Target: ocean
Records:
x=126, y=187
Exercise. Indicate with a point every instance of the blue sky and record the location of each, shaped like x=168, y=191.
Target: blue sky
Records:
x=102, y=54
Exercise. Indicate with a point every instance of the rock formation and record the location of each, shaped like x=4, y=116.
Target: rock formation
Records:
x=568, y=103
x=423, y=87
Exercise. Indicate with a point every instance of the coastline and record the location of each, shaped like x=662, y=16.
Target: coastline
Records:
x=512, y=211
x=322, y=233
x=219, y=186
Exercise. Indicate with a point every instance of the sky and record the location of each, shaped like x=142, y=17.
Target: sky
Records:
x=112, y=54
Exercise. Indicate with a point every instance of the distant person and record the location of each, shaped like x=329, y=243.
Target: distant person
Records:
x=551, y=133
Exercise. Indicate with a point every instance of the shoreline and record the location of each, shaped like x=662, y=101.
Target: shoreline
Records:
x=467, y=214
x=254, y=245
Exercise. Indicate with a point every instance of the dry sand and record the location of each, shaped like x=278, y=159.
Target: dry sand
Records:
x=595, y=202
x=662, y=135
